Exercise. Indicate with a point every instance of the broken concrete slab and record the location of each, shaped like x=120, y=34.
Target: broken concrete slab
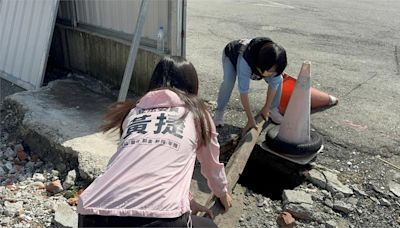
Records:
x=60, y=122
x=299, y=204
x=331, y=224
x=358, y=189
x=302, y=211
x=94, y=152
x=69, y=180
x=65, y=217
x=342, y=207
x=337, y=223
x=328, y=180
x=13, y=208
x=292, y=196
x=352, y=201
x=394, y=188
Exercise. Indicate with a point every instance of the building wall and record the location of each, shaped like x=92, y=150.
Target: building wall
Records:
x=102, y=57
x=95, y=37
x=119, y=17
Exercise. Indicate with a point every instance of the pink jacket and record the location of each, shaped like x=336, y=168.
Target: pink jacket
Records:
x=150, y=174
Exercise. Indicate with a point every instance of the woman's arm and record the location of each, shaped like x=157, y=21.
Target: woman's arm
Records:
x=244, y=72
x=213, y=170
x=251, y=122
x=274, y=83
x=270, y=94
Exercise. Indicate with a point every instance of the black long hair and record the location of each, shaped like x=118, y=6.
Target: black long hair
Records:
x=178, y=75
x=272, y=54
x=175, y=72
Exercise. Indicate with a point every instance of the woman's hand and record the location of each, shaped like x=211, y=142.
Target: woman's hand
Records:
x=264, y=113
x=226, y=201
x=250, y=124
x=196, y=208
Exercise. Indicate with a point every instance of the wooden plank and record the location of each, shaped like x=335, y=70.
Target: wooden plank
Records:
x=236, y=164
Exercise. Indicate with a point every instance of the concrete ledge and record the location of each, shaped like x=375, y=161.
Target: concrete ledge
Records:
x=60, y=123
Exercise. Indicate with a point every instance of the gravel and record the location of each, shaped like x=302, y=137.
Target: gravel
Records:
x=25, y=200
x=373, y=202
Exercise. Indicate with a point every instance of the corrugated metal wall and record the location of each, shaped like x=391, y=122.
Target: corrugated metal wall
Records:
x=65, y=10
x=121, y=15
x=26, y=27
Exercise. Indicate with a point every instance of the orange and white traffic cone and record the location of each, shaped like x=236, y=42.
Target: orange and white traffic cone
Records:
x=295, y=127
x=292, y=139
x=319, y=99
x=288, y=85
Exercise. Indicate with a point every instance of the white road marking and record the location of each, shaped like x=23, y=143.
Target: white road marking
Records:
x=274, y=4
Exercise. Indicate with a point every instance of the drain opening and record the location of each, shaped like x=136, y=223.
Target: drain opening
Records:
x=269, y=175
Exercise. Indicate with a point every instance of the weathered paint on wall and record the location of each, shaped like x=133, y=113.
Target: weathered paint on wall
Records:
x=120, y=16
x=104, y=58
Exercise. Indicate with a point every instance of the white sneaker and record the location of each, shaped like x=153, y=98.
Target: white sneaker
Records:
x=218, y=119
x=275, y=116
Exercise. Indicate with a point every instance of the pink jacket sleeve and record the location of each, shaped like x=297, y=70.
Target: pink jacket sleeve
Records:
x=211, y=168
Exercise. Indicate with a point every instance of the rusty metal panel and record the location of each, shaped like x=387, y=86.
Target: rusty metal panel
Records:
x=26, y=28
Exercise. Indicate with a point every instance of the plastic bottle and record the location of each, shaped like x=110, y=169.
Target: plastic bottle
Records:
x=160, y=40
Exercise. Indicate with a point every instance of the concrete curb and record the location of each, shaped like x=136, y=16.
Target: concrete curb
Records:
x=60, y=123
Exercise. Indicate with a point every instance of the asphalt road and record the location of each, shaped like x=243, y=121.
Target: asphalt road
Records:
x=354, y=47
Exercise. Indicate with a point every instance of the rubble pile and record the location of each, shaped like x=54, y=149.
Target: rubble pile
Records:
x=31, y=191
x=324, y=201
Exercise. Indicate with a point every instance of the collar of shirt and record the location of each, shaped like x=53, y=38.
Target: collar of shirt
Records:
x=160, y=98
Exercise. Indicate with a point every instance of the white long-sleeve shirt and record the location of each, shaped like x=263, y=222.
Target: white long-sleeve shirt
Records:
x=150, y=174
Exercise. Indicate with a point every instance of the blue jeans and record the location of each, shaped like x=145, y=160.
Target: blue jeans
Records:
x=230, y=75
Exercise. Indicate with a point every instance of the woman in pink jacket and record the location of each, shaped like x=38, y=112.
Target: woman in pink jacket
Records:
x=147, y=181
